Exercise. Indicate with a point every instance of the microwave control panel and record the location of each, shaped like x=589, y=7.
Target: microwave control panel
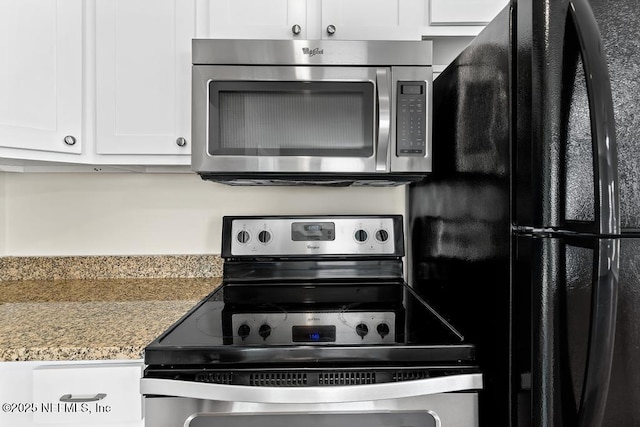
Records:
x=411, y=131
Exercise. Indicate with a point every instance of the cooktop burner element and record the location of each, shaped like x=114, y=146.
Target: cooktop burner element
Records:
x=311, y=292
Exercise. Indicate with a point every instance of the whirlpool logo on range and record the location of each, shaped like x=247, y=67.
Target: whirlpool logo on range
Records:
x=312, y=52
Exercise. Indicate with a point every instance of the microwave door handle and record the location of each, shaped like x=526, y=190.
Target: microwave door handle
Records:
x=384, y=119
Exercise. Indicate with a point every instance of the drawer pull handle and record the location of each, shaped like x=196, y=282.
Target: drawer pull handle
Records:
x=82, y=398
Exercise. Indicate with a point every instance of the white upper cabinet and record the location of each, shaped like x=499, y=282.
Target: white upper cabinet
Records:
x=41, y=76
x=347, y=19
x=108, y=82
x=465, y=12
x=256, y=19
x=371, y=19
x=460, y=17
x=143, y=76
x=316, y=19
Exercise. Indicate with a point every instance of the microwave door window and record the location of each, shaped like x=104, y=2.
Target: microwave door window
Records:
x=317, y=119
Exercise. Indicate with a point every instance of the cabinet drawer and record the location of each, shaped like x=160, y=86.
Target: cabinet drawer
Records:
x=87, y=394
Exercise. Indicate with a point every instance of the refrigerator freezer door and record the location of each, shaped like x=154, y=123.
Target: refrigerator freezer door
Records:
x=623, y=403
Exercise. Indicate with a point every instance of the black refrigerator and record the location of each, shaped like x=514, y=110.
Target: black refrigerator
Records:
x=526, y=236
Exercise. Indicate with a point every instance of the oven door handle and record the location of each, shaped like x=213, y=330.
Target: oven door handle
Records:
x=384, y=119
x=304, y=395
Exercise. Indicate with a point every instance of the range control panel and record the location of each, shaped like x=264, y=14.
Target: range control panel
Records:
x=309, y=236
x=325, y=327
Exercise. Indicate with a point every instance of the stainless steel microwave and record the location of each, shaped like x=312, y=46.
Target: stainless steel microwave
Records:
x=268, y=112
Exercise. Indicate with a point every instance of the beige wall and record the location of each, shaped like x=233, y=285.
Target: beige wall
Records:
x=146, y=214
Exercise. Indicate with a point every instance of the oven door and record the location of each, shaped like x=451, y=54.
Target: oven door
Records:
x=310, y=419
x=291, y=119
x=433, y=402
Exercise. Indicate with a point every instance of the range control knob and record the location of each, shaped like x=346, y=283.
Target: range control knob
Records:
x=361, y=235
x=382, y=235
x=264, y=236
x=243, y=236
x=244, y=330
x=264, y=331
x=383, y=329
x=362, y=330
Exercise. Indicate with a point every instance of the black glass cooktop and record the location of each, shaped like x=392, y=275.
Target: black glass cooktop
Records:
x=312, y=325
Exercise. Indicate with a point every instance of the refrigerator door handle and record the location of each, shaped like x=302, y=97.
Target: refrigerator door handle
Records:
x=606, y=191
x=604, y=297
x=605, y=290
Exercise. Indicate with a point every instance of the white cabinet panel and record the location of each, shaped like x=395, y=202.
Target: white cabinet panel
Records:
x=41, y=74
x=352, y=20
x=142, y=69
x=445, y=18
x=259, y=19
x=143, y=76
x=87, y=394
x=372, y=19
x=27, y=393
x=465, y=12
x=15, y=389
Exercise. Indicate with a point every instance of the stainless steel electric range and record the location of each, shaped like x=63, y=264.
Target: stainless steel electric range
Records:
x=313, y=325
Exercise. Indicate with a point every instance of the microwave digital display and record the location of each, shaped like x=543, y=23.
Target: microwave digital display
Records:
x=313, y=231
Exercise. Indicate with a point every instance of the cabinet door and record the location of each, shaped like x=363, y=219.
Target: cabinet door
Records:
x=88, y=394
x=460, y=17
x=465, y=12
x=32, y=391
x=372, y=19
x=143, y=76
x=257, y=19
x=16, y=389
x=41, y=75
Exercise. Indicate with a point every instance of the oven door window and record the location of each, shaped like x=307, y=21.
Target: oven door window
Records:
x=297, y=118
x=386, y=419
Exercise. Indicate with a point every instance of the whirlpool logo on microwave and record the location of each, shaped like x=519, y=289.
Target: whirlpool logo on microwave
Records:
x=312, y=52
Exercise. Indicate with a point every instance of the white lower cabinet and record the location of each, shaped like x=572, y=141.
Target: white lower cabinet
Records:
x=56, y=394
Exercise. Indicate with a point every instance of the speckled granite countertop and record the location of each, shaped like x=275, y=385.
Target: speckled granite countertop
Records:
x=91, y=319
